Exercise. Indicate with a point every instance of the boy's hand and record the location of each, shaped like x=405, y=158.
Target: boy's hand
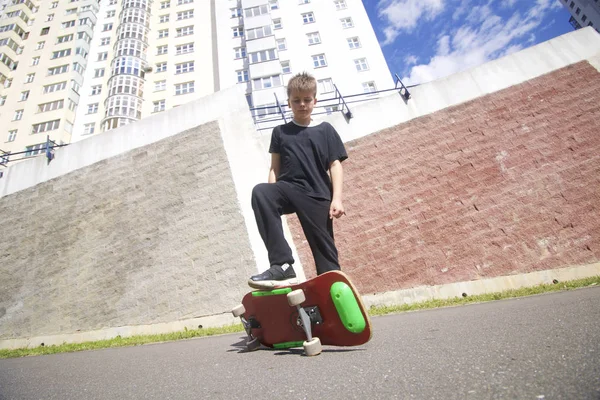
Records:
x=336, y=209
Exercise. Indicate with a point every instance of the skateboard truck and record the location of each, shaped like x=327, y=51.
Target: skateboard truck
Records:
x=252, y=343
x=312, y=346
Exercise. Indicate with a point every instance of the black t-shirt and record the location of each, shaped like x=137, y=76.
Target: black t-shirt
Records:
x=306, y=154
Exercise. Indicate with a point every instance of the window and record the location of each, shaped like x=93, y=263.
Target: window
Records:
x=58, y=70
x=256, y=11
x=184, y=48
x=64, y=39
x=180, y=2
x=102, y=56
x=236, y=12
x=165, y=4
x=303, y=1
x=242, y=75
x=45, y=126
x=53, y=105
x=159, y=106
x=68, y=24
x=239, y=52
x=184, y=88
x=353, y=43
x=24, y=95
x=18, y=115
x=369, y=87
x=98, y=73
x=584, y=18
x=162, y=49
x=107, y=27
x=266, y=82
x=54, y=4
x=238, y=31
x=96, y=90
x=110, y=14
x=273, y=4
x=88, y=129
x=263, y=55
x=319, y=60
x=347, y=23
x=11, y=135
x=30, y=78
x=160, y=85
x=187, y=14
x=40, y=45
x=572, y=4
x=105, y=41
x=186, y=30
x=578, y=11
x=35, y=149
x=361, y=64
x=285, y=67
x=163, y=18
x=325, y=85
x=163, y=33
x=92, y=108
x=161, y=67
x=313, y=38
x=184, y=67
x=2, y=100
x=281, y=44
x=257, y=33
x=45, y=31
x=55, y=87
x=277, y=23
x=61, y=53
x=35, y=61
x=308, y=18
x=339, y=4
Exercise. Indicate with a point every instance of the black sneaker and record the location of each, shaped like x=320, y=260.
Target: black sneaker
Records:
x=277, y=275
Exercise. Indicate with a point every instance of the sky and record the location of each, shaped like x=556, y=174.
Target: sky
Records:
x=423, y=40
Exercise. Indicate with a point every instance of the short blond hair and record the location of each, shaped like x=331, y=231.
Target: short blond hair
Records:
x=302, y=82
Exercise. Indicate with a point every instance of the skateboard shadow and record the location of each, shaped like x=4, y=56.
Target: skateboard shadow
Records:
x=240, y=347
x=300, y=352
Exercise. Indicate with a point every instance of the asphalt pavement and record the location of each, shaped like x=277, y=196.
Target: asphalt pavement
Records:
x=538, y=347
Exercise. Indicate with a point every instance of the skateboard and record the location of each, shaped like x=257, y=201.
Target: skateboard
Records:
x=325, y=310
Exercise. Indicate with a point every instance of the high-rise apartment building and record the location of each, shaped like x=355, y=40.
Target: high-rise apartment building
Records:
x=583, y=13
x=72, y=68
x=43, y=54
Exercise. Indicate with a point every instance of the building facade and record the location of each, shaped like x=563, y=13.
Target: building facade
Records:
x=44, y=48
x=71, y=69
x=583, y=13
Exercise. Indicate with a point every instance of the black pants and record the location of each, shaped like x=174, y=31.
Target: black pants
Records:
x=272, y=200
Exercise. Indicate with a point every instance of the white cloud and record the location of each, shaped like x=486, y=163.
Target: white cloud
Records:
x=403, y=15
x=410, y=60
x=482, y=37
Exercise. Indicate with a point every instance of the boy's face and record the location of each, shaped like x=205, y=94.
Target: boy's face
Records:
x=302, y=104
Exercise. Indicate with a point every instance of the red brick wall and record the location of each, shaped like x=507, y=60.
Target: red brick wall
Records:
x=507, y=183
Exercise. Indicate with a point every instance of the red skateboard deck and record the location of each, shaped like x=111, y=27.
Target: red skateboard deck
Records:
x=332, y=303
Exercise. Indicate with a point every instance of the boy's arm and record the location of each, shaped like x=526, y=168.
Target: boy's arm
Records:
x=274, y=170
x=337, y=179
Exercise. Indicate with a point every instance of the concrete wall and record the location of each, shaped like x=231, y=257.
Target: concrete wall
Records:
x=138, y=226
x=490, y=172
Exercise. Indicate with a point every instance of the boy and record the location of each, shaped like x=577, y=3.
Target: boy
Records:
x=304, y=155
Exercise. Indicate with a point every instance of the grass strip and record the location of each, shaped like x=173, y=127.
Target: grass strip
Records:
x=373, y=311
x=480, y=298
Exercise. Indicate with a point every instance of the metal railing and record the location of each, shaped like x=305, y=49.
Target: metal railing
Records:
x=267, y=117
